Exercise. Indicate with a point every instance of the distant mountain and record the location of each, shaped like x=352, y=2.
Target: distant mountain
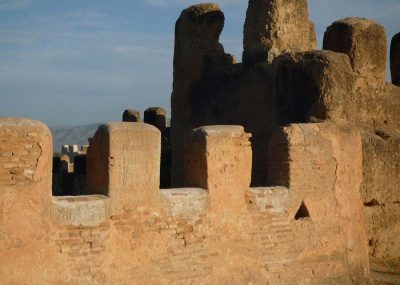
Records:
x=72, y=135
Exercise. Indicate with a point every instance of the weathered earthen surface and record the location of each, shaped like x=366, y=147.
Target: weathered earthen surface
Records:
x=187, y=236
x=321, y=85
x=157, y=117
x=26, y=153
x=343, y=85
x=197, y=51
x=310, y=158
x=274, y=27
x=364, y=41
x=123, y=163
x=380, y=193
x=131, y=115
x=218, y=158
x=395, y=59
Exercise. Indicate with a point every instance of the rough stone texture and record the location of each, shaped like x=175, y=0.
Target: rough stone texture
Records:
x=275, y=26
x=131, y=115
x=197, y=51
x=310, y=158
x=157, y=117
x=218, y=158
x=123, y=163
x=364, y=41
x=324, y=87
x=302, y=87
x=381, y=193
x=320, y=86
x=395, y=59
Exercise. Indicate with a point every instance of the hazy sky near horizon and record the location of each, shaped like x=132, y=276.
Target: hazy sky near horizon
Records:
x=74, y=62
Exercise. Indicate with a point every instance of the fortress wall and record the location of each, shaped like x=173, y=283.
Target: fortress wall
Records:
x=335, y=93
x=315, y=157
x=344, y=84
x=225, y=233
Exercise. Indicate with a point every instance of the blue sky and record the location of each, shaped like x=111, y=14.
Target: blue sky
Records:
x=73, y=62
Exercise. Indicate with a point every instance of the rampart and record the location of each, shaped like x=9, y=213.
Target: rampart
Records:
x=283, y=80
x=311, y=229
x=314, y=202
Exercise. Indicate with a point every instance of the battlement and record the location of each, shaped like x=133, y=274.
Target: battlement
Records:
x=275, y=227
x=287, y=163
x=283, y=80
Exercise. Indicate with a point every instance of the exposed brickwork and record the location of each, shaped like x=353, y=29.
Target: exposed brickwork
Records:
x=84, y=248
x=18, y=161
x=225, y=233
x=283, y=80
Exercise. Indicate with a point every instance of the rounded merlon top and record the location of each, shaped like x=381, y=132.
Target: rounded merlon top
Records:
x=157, y=110
x=23, y=122
x=109, y=127
x=201, y=9
x=131, y=115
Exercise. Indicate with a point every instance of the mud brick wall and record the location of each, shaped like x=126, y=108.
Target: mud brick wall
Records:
x=225, y=233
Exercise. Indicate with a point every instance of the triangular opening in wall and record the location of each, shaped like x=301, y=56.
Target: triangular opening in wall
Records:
x=302, y=212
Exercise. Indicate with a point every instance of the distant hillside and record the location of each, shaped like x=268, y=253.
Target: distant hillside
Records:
x=72, y=135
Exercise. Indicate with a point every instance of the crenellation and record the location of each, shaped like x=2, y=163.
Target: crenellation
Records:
x=287, y=163
x=184, y=231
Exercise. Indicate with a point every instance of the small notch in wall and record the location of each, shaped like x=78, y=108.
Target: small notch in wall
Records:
x=302, y=212
x=382, y=135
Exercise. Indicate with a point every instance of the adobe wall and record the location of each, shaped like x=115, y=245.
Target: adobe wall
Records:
x=345, y=82
x=226, y=233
